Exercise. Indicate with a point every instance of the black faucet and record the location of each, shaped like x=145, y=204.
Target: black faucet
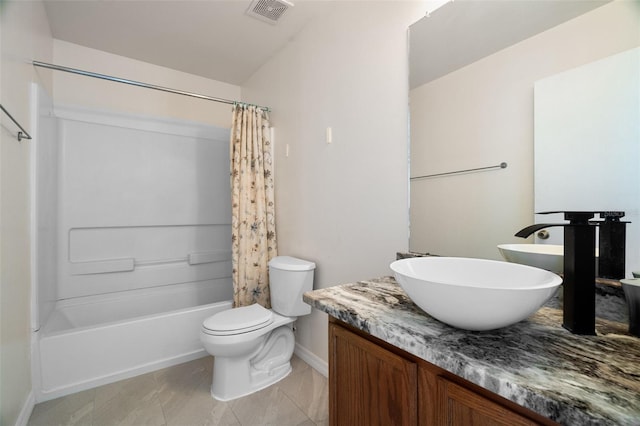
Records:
x=579, y=304
x=579, y=283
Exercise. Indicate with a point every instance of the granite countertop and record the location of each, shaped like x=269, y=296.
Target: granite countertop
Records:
x=571, y=379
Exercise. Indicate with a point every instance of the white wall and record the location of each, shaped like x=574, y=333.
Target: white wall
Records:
x=342, y=205
x=90, y=92
x=25, y=35
x=482, y=115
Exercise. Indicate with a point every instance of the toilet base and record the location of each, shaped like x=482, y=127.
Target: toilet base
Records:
x=280, y=373
x=241, y=375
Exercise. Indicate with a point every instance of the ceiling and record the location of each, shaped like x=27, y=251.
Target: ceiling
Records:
x=209, y=38
x=462, y=32
x=217, y=40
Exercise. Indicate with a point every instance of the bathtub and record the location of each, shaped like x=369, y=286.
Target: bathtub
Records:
x=90, y=341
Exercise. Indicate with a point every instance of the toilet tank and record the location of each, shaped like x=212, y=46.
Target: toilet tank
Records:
x=289, y=278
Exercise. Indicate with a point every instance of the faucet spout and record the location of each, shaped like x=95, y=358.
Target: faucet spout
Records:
x=525, y=232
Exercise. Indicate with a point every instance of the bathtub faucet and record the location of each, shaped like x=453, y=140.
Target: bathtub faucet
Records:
x=579, y=282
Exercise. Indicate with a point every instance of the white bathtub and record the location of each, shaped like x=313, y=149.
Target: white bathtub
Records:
x=91, y=341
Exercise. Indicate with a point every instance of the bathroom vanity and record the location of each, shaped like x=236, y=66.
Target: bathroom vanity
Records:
x=390, y=363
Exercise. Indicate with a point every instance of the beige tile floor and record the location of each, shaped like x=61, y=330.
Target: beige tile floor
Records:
x=179, y=395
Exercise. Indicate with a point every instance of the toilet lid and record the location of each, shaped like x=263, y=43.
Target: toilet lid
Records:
x=238, y=320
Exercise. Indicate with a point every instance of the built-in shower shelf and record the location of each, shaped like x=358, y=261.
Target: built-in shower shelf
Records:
x=104, y=266
x=209, y=257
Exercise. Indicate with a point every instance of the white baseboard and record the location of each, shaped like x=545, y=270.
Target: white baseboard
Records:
x=312, y=359
x=27, y=409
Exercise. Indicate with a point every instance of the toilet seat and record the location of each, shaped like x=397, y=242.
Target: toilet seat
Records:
x=238, y=320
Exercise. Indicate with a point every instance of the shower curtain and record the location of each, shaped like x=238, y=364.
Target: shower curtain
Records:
x=253, y=231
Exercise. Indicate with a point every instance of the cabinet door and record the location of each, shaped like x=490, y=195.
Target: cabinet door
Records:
x=463, y=407
x=369, y=385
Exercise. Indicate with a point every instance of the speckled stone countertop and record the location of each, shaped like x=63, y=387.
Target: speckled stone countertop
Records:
x=573, y=380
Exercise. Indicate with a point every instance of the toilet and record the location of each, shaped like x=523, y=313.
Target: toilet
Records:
x=252, y=345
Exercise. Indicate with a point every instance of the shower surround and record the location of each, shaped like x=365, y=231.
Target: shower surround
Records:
x=131, y=243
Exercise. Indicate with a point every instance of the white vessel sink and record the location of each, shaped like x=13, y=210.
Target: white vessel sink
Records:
x=475, y=294
x=545, y=256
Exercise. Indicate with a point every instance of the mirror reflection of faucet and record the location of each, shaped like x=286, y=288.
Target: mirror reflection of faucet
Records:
x=580, y=261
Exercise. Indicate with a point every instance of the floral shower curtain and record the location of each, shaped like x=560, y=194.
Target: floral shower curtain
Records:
x=253, y=230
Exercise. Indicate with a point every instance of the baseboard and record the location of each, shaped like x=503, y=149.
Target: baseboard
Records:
x=312, y=359
x=27, y=409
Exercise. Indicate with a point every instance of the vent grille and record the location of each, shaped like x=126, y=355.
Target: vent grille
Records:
x=268, y=10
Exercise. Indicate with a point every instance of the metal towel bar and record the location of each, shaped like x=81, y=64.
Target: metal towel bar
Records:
x=22, y=133
x=502, y=165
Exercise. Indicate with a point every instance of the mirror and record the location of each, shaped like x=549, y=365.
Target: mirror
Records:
x=473, y=68
x=587, y=145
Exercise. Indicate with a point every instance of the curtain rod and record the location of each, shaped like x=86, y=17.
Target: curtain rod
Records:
x=138, y=83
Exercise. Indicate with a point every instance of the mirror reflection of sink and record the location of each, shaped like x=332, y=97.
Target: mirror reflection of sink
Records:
x=545, y=256
x=475, y=294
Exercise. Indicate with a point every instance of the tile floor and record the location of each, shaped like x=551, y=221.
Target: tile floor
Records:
x=179, y=395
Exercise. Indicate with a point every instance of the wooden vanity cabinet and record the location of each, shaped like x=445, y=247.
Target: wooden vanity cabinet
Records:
x=369, y=385
x=461, y=406
x=374, y=383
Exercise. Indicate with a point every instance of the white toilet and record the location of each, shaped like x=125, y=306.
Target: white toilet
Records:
x=252, y=345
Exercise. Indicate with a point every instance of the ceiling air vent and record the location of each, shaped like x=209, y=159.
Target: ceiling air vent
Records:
x=268, y=10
